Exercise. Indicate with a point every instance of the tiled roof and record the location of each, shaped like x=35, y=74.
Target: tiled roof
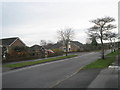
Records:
x=77, y=43
x=7, y=41
x=57, y=45
x=36, y=46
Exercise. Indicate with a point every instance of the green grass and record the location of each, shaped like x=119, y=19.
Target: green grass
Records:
x=112, y=54
x=23, y=64
x=102, y=63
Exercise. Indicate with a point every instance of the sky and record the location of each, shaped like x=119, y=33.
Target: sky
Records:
x=35, y=20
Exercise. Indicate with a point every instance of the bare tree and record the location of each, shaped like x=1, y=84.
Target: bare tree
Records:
x=49, y=42
x=100, y=28
x=43, y=43
x=66, y=35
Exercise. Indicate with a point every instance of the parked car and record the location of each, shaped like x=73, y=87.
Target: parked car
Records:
x=50, y=51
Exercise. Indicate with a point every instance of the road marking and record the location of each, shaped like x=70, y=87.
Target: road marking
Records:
x=29, y=67
x=66, y=77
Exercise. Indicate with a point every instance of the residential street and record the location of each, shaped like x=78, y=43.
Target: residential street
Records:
x=54, y=44
x=49, y=75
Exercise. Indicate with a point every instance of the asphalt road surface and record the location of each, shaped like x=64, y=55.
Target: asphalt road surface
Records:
x=47, y=75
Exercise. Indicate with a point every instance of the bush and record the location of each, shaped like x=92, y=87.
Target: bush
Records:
x=57, y=52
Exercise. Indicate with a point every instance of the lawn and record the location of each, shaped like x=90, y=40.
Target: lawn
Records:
x=102, y=63
x=23, y=64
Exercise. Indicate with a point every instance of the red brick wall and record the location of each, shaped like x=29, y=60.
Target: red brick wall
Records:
x=74, y=47
x=16, y=43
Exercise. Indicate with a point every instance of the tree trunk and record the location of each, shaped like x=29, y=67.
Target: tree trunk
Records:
x=102, y=45
x=114, y=46
x=111, y=45
x=102, y=56
x=66, y=49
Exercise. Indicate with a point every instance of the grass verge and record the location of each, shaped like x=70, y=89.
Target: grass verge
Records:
x=23, y=64
x=102, y=63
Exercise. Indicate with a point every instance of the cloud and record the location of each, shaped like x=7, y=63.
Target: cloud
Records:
x=33, y=21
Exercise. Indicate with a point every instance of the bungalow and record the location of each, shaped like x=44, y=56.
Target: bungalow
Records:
x=7, y=44
x=37, y=50
x=73, y=46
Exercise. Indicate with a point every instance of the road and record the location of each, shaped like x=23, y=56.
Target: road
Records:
x=47, y=75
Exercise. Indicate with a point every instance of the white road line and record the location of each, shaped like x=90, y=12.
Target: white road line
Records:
x=29, y=67
x=66, y=77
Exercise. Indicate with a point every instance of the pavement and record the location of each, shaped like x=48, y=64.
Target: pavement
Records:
x=108, y=78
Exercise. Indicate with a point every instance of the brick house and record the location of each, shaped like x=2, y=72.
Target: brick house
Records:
x=37, y=50
x=7, y=44
x=73, y=46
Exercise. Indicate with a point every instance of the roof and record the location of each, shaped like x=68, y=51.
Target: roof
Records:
x=77, y=43
x=35, y=46
x=7, y=41
x=57, y=45
x=49, y=45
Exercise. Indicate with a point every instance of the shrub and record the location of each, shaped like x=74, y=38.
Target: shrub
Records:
x=57, y=52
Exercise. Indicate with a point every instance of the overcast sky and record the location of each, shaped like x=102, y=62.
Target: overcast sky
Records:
x=40, y=19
